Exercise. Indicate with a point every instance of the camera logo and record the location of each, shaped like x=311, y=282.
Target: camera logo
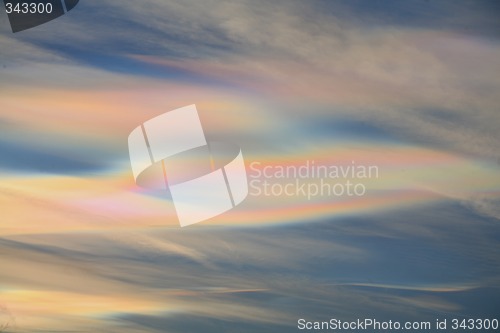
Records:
x=170, y=153
x=27, y=14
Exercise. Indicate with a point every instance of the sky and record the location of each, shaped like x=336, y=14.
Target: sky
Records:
x=411, y=88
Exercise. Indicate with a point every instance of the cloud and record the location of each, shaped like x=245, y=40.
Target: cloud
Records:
x=391, y=75
x=395, y=75
x=17, y=158
x=257, y=278
x=484, y=204
x=290, y=81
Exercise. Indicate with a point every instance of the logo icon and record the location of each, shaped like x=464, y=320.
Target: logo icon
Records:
x=170, y=153
x=27, y=14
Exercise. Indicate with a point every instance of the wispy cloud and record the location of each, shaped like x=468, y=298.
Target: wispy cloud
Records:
x=411, y=89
